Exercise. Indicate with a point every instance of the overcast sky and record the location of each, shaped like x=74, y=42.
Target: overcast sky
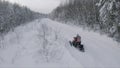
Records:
x=43, y=6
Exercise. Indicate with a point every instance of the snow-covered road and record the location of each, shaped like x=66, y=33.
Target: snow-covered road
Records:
x=44, y=43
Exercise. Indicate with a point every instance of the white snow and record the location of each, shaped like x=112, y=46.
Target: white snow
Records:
x=44, y=44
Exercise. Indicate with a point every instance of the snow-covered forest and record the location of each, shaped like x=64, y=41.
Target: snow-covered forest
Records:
x=30, y=39
x=98, y=15
x=12, y=15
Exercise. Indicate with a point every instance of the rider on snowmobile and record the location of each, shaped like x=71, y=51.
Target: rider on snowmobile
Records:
x=77, y=41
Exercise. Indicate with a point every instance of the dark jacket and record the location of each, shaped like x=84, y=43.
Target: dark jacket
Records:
x=77, y=41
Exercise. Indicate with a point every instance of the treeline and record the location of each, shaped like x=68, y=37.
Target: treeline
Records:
x=81, y=11
x=12, y=15
x=99, y=15
x=109, y=17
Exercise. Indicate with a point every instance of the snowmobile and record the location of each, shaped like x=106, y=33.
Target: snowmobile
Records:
x=80, y=47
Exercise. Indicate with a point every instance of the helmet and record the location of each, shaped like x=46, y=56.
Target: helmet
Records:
x=78, y=36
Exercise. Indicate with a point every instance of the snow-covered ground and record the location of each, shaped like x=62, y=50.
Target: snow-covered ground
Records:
x=44, y=44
